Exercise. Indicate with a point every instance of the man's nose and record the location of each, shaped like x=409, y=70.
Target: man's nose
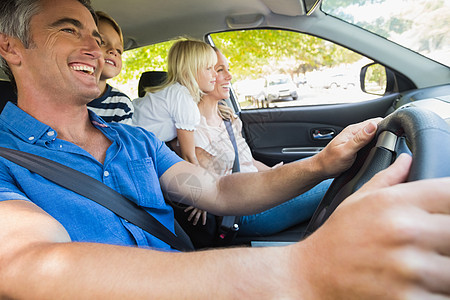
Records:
x=92, y=48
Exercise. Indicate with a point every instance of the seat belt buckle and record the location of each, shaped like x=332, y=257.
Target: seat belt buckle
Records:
x=223, y=231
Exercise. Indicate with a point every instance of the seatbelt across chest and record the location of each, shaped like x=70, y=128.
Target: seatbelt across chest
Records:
x=230, y=224
x=97, y=191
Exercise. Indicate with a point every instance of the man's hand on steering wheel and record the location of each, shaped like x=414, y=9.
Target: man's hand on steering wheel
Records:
x=341, y=152
x=420, y=132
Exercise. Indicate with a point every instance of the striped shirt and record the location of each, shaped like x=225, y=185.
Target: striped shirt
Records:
x=113, y=106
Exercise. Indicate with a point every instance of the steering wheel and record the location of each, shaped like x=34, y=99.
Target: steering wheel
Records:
x=417, y=131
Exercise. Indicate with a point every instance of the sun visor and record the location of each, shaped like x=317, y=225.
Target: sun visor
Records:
x=286, y=7
x=244, y=21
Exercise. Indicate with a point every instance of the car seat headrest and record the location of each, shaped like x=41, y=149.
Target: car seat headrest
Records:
x=149, y=79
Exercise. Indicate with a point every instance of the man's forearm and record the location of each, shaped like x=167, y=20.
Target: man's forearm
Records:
x=243, y=194
x=83, y=270
x=239, y=193
x=249, y=193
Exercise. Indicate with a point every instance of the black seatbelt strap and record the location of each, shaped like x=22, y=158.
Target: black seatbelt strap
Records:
x=97, y=191
x=230, y=223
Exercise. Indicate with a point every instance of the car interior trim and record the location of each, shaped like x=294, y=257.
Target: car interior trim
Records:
x=387, y=140
x=302, y=150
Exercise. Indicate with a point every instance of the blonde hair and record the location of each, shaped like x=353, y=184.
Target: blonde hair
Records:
x=102, y=16
x=186, y=57
x=225, y=112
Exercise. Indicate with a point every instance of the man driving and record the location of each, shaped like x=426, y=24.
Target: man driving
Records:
x=57, y=243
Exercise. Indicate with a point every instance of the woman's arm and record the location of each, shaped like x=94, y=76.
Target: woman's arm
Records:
x=206, y=161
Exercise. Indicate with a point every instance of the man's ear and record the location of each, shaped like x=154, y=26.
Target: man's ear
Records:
x=9, y=47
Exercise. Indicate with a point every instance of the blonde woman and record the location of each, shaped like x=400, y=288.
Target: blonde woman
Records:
x=170, y=110
x=215, y=152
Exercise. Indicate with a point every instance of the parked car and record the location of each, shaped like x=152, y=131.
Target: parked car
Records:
x=250, y=91
x=279, y=87
x=340, y=81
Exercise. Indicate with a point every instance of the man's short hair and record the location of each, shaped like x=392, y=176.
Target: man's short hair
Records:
x=15, y=16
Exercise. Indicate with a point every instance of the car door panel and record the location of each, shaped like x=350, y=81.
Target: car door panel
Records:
x=287, y=134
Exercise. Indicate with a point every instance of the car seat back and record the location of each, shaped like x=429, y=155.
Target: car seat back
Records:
x=149, y=79
x=7, y=93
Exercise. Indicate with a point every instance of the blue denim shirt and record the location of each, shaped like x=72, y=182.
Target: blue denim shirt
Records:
x=133, y=164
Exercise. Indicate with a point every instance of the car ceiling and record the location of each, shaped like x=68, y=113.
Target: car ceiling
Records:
x=146, y=22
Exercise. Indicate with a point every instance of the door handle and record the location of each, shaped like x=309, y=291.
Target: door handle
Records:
x=323, y=134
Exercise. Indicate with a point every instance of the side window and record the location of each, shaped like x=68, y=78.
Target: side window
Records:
x=277, y=68
x=138, y=61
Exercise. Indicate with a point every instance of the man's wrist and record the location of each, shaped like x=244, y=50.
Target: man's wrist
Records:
x=319, y=166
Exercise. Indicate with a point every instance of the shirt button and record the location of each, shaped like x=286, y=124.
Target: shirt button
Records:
x=31, y=138
x=51, y=133
x=106, y=173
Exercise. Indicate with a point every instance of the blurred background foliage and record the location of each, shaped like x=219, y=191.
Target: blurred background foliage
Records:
x=252, y=54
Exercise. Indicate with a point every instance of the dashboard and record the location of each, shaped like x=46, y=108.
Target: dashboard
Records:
x=436, y=99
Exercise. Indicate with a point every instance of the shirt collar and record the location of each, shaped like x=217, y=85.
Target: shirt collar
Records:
x=96, y=120
x=22, y=124
x=31, y=130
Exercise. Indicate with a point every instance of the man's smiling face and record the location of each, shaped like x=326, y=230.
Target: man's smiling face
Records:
x=64, y=57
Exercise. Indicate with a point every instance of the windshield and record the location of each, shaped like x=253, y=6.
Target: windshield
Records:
x=420, y=25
